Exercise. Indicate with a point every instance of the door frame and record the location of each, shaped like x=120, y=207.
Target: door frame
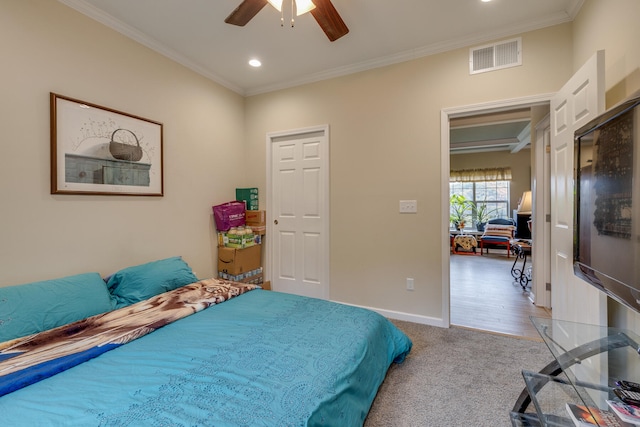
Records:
x=542, y=211
x=445, y=115
x=271, y=137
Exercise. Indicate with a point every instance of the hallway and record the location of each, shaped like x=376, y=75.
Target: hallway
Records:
x=485, y=296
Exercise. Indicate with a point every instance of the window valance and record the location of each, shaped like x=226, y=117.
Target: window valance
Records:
x=488, y=174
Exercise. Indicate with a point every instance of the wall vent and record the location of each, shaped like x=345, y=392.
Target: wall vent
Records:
x=495, y=56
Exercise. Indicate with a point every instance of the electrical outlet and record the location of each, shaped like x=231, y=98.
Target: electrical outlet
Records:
x=409, y=283
x=408, y=206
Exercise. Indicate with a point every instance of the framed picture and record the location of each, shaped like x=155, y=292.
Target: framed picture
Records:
x=98, y=150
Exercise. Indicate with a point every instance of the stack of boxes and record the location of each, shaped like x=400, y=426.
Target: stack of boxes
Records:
x=240, y=265
x=240, y=247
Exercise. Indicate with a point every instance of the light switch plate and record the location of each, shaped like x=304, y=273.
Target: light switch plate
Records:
x=410, y=286
x=408, y=206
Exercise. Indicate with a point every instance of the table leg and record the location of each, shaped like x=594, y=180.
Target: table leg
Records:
x=519, y=273
x=514, y=271
x=524, y=280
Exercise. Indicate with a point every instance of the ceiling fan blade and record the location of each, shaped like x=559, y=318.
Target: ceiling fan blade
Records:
x=245, y=12
x=329, y=19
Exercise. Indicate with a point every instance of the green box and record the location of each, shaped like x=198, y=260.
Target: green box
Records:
x=249, y=196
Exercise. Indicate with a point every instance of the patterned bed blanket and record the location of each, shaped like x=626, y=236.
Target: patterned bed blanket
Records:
x=29, y=359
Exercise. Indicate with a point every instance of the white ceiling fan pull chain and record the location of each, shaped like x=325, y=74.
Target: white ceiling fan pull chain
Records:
x=292, y=14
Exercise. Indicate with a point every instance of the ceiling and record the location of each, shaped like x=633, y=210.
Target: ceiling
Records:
x=382, y=32
x=503, y=131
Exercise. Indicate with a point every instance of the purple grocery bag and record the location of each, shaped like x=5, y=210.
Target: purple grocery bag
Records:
x=227, y=215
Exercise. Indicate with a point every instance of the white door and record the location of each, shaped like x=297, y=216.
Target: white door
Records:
x=298, y=212
x=579, y=101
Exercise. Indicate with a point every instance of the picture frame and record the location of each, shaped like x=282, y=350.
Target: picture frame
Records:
x=101, y=151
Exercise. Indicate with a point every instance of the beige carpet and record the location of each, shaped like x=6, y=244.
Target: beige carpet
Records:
x=455, y=377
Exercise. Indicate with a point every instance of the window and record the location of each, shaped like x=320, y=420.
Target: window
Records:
x=495, y=194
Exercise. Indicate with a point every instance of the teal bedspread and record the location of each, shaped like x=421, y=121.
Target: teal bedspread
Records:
x=260, y=359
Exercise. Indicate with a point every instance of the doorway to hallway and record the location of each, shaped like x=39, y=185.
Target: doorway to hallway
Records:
x=465, y=307
x=485, y=296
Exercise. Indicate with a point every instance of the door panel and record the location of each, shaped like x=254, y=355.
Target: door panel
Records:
x=562, y=207
x=311, y=192
x=286, y=255
x=287, y=193
x=298, y=201
x=312, y=248
x=580, y=100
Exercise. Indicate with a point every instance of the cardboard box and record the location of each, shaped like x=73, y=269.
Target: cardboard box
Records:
x=249, y=196
x=233, y=240
x=255, y=218
x=229, y=240
x=258, y=230
x=255, y=279
x=252, y=277
x=235, y=261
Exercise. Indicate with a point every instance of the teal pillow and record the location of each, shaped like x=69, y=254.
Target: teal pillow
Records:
x=141, y=282
x=35, y=307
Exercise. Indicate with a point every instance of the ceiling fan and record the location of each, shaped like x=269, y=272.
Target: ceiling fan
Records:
x=325, y=14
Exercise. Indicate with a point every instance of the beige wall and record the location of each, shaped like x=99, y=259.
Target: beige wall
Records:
x=520, y=164
x=612, y=26
x=385, y=146
x=48, y=47
x=385, y=135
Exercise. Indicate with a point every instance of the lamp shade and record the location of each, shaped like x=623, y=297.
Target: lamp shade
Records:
x=525, y=203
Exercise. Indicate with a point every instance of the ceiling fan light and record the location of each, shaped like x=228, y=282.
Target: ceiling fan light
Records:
x=277, y=4
x=304, y=6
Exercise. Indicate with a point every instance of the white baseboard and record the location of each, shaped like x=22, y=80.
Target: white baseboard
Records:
x=407, y=317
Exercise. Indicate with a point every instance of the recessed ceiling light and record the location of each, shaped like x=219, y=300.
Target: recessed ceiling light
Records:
x=486, y=1
x=255, y=63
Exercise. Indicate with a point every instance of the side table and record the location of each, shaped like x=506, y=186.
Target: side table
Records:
x=521, y=249
x=465, y=241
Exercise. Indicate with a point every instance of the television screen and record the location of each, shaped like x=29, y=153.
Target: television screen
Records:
x=607, y=207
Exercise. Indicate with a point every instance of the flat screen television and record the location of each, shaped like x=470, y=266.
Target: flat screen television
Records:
x=606, y=248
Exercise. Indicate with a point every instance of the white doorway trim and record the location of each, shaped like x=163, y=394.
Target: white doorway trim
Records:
x=541, y=232
x=321, y=131
x=445, y=115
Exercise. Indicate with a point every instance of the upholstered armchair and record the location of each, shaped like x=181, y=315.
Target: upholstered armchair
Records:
x=498, y=233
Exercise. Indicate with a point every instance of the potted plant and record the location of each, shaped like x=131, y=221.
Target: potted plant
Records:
x=482, y=214
x=460, y=211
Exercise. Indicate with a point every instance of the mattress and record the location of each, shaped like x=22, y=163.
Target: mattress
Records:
x=260, y=359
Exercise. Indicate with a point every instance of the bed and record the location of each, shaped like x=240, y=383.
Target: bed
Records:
x=155, y=346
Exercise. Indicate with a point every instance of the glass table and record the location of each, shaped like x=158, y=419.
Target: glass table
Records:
x=588, y=360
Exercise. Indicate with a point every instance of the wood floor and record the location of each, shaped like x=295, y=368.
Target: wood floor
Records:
x=485, y=296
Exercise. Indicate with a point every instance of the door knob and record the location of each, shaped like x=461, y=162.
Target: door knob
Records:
x=275, y=221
